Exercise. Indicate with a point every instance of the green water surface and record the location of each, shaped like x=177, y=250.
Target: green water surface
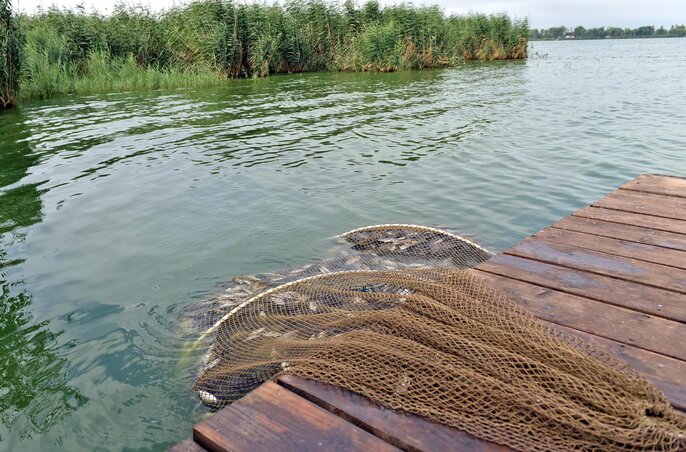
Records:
x=117, y=211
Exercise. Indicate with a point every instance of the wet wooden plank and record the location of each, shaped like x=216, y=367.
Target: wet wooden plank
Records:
x=617, y=247
x=273, y=418
x=624, y=232
x=645, y=203
x=407, y=431
x=634, y=219
x=626, y=294
x=658, y=184
x=646, y=273
x=187, y=445
x=622, y=325
x=668, y=374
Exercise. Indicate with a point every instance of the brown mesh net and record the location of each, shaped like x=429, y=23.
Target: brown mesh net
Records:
x=436, y=341
x=379, y=247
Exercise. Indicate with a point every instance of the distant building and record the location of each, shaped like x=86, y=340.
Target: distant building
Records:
x=569, y=35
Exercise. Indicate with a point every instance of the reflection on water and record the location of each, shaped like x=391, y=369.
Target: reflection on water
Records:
x=21, y=207
x=34, y=394
x=118, y=211
x=21, y=203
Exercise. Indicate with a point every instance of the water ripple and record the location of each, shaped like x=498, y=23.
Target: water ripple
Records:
x=119, y=210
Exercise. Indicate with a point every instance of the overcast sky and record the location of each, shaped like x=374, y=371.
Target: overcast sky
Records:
x=541, y=13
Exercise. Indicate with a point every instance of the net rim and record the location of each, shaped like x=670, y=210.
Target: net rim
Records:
x=260, y=295
x=419, y=228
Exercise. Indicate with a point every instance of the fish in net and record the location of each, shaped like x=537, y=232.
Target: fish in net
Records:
x=377, y=247
x=438, y=342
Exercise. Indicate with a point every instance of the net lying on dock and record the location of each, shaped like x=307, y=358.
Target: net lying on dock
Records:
x=438, y=342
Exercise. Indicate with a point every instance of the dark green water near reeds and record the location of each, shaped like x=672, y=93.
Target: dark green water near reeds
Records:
x=117, y=211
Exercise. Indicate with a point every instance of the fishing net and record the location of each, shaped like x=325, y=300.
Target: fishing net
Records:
x=437, y=342
x=377, y=247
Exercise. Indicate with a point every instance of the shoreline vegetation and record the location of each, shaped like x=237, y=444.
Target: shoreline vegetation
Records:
x=11, y=41
x=62, y=52
x=646, y=31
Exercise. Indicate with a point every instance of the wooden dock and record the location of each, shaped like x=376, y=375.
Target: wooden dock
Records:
x=613, y=273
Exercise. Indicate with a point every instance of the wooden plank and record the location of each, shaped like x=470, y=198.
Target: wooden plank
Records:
x=659, y=184
x=273, y=418
x=634, y=219
x=628, y=327
x=624, y=232
x=624, y=248
x=407, y=431
x=626, y=294
x=187, y=445
x=668, y=374
x=603, y=264
x=645, y=203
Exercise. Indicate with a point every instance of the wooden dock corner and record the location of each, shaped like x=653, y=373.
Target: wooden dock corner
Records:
x=613, y=273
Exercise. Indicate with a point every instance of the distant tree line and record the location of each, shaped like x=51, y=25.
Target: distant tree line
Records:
x=646, y=31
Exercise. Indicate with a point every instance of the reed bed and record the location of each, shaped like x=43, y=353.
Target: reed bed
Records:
x=11, y=41
x=75, y=51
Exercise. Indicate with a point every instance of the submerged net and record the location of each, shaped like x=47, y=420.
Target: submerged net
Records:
x=378, y=247
x=436, y=341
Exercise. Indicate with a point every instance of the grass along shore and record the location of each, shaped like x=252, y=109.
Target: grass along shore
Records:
x=61, y=52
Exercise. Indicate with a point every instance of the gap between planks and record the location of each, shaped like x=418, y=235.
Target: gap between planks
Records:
x=575, y=258
x=657, y=205
x=615, y=292
x=632, y=219
x=616, y=247
x=628, y=233
x=668, y=374
x=407, y=431
x=593, y=317
x=272, y=417
x=661, y=184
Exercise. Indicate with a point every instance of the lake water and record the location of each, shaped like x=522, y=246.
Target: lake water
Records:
x=117, y=211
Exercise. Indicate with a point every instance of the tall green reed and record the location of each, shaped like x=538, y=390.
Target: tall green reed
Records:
x=11, y=40
x=75, y=51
